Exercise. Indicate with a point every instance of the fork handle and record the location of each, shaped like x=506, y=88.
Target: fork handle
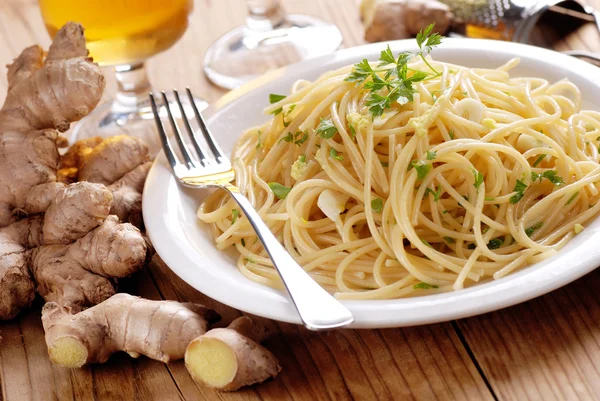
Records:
x=317, y=308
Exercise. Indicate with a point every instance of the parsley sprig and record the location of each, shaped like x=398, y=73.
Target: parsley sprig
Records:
x=396, y=86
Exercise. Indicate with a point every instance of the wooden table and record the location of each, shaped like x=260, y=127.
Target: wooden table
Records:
x=546, y=349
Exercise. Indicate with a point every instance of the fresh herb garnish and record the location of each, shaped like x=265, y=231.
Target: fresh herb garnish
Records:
x=529, y=231
x=451, y=134
x=298, y=138
x=427, y=41
x=326, y=129
x=289, y=137
x=335, y=155
x=431, y=155
x=290, y=109
x=424, y=286
x=421, y=167
x=539, y=160
x=352, y=132
x=572, y=198
x=279, y=190
x=377, y=205
x=274, y=98
x=449, y=240
x=495, y=243
x=234, y=215
x=519, y=190
x=550, y=175
x=478, y=179
x=396, y=85
x=436, y=194
x=259, y=144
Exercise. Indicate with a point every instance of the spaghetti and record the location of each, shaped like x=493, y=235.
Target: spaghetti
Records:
x=472, y=176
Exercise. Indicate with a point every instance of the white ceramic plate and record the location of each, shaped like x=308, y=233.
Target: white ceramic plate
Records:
x=187, y=247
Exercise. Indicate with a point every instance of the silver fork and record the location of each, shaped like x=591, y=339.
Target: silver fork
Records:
x=316, y=307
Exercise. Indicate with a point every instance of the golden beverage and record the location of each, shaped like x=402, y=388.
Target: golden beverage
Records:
x=121, y=31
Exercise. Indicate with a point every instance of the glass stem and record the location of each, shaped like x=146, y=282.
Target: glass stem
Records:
x=133, y=87
x=264, y=15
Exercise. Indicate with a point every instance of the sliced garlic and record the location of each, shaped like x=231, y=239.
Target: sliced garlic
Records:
x=332, y=203
x=470, y=109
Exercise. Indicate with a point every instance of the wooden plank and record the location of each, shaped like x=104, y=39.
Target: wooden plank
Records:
x=546, y=349
x=416, y=363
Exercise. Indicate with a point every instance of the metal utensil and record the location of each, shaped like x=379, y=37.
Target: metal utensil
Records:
x=316, y=307
x=513, y=20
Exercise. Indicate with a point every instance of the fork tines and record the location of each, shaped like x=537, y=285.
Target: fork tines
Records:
x=188, y=159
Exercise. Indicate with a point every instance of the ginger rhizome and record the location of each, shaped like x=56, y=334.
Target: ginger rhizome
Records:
x=70, y=227
x=64, y=240
x=229, y=358
x=160, y=330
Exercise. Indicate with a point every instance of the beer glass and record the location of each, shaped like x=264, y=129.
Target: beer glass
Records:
x=270, y=39
x=122, y=34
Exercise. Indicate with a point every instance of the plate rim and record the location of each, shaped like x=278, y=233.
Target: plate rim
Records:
x=465, y=298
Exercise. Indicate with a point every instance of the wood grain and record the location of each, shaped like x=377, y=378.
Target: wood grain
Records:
x=546, y=349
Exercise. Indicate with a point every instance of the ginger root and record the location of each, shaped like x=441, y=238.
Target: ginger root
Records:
x=229, y=358
x=401, y=19
x=160, y=330
x=57, y=239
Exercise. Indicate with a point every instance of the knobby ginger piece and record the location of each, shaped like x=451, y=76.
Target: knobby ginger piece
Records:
x=400, y=19
x=227, y=359
x=160, y=330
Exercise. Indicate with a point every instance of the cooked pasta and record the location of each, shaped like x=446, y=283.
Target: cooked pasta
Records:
x=474, y=175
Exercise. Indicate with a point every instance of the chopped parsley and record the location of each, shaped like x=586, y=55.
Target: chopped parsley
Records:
x=298, y=138
x=539, y=160
x=259, y=144
x=519, y=191
x=431, y=155
x=449, y=240
x=421, y=167
x=478, y=179
x=234, y=215
x=352, y=131
x=279, y=190
x=274, y=98
x=424, y=286
x=335, y=155
x=550, y=175
x=326, y=129
x=495, y=243
x=572, y=198
x=377, y=205
x=529, y=231
x=451, y=134
x=436, y=194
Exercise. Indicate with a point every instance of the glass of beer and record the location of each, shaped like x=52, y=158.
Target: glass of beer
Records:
x=122, y=34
